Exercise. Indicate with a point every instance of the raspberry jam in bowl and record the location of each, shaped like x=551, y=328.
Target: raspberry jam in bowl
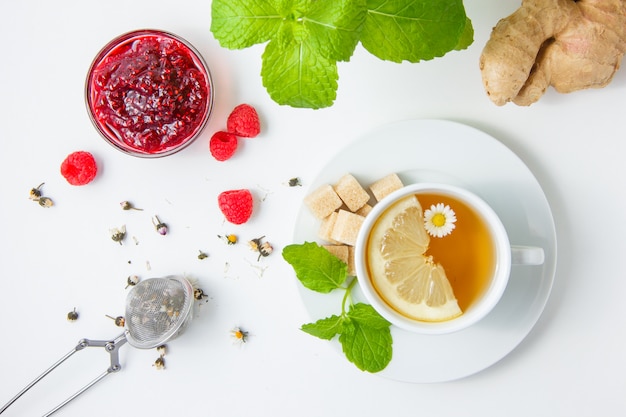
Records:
x=149, y=93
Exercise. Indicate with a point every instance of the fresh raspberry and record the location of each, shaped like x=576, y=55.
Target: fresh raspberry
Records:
x=79, y=168
x=236, y=205
x=223, y=145
x=244, y=121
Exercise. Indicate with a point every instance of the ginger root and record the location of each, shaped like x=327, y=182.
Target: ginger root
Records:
x=567, y=44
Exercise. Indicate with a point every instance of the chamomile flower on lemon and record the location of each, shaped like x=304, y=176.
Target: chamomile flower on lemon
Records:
x=439, y=220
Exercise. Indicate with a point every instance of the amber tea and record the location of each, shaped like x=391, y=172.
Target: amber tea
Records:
x=467, y=254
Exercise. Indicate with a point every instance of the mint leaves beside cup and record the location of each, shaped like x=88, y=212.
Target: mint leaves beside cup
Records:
x=364, y=335
x=305, y=39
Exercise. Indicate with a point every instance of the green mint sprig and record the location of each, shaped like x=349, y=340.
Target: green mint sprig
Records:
x=306, y=38
x=364, y=334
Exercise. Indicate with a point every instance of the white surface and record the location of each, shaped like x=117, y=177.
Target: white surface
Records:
x=571, y=364
x=481, y=164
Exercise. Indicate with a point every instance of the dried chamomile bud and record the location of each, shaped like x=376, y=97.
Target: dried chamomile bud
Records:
x=127, y=205
x=160, y=227
x=35, y=193
x=159, y=363
x=294, y=182
x=72, y=315
x=264, y=248
x=198, y=294
x=118, y=234
x=132, y=280
x=120, y=321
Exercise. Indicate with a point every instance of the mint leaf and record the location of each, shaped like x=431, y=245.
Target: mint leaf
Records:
x=365, y=336
x=298, y=76
x=295, y=73
x=315, y=267
x=335, y=26
x=325, y=328
x=238, y=24
x=306, y=38
x=364, y=341
x=412, y=30
x=367, y=316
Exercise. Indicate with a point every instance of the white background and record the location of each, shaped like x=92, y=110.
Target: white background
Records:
x=52, y=260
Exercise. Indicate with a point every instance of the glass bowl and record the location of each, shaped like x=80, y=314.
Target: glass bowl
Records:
x=149, y=93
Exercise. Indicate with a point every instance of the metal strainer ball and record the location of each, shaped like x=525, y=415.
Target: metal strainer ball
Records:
x=157, y=311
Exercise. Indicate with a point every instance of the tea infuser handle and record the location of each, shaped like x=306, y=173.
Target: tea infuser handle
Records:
x=40, y=377
x=112, y=347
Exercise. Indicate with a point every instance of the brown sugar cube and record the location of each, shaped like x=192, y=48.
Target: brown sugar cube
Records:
x=364, y=211
x=350, y=191
x=351, y=266
x=385, y=186
x=340, y=251
x=323, y=201
x=346, y=227
x=326, y=227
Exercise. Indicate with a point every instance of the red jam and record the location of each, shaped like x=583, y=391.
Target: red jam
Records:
x=149, y=93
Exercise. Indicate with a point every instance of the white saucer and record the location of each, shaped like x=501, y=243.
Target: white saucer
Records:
x=444, y=151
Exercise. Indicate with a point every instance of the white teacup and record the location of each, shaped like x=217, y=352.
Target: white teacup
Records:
x=501, y=252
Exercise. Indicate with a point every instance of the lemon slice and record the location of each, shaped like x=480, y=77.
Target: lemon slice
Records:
x=405, y=277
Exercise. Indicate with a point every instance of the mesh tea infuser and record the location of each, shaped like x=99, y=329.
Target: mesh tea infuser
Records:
x=157, y=310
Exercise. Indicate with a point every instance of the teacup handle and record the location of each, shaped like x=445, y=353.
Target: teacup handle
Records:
x=527, y=255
